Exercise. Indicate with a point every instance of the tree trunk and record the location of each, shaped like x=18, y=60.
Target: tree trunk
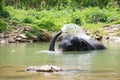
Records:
x=15, y=4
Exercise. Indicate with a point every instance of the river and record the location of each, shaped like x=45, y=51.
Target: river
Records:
x=83, y=65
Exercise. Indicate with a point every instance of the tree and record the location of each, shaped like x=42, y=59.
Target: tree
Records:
x=3, y=14
x=118, y=2
x=59, y=4
x=1, y=5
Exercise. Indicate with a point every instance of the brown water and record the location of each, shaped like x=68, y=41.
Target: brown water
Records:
x=88, y=65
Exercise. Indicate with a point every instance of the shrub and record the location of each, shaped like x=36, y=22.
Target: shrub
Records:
x=40, y=34
x=27, y=20
x=53, y=20
x=29, y=35
x=4, y=14
x=46, y=25
x=96, y=17
x=76, y=21
x=3, y=27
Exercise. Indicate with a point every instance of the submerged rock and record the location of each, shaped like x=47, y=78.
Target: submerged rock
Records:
x=44, y=68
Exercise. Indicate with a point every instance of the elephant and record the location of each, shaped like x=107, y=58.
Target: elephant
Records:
x=74, y=43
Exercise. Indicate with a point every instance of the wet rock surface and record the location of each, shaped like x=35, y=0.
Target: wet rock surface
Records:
x=44, y=68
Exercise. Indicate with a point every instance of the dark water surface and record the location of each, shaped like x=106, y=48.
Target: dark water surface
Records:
x=88, y=65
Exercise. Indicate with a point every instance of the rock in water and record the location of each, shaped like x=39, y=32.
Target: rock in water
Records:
x=44, y=68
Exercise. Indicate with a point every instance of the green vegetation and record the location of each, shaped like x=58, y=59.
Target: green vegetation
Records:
x=58, y=4
x=53, y=20
x=3, y=27
x=52, y=15
x=118, y=34
x=3, y=13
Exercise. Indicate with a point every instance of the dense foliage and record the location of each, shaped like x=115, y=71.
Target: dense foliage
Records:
x=53, y=14
x=58, y=4
x=53, y=20
x=3, y=13
x=3, y=27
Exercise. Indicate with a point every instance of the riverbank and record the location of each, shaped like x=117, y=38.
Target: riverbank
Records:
x=25, y=34
x=37, y=26
x=106, y=33
x=28, y=34
x=112, y=32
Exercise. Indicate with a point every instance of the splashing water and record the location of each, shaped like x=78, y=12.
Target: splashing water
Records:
x=49, y=52
x=74, y=30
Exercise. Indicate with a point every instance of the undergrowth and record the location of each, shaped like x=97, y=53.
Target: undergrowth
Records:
x=53, y=20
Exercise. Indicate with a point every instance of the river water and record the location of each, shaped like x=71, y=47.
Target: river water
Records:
x=86, y=65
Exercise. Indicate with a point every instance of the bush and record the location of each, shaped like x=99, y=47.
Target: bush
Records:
x=27, y=20
x=29, y=35
x=76, y=21
x=53, y=20
x=96, y=17
x=3, y=27
x=46, y=25
x=4, y=14
x=40, y=35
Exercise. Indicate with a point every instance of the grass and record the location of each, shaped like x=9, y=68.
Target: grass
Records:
x=93, y=26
